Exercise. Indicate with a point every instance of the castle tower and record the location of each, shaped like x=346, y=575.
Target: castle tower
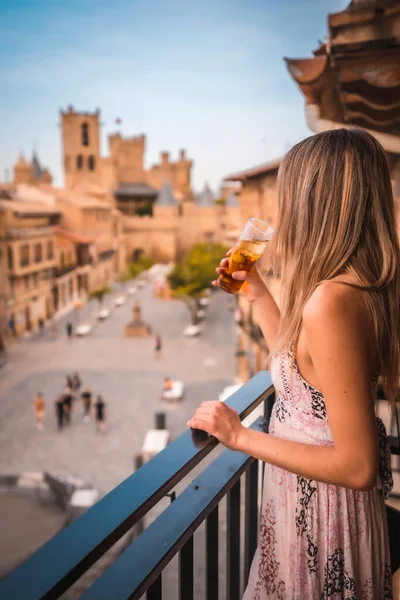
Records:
x=23, y=171
x=81, y=147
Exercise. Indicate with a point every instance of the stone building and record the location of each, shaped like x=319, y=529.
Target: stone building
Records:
x=353, y=79
x=161, y=215
x=122, y=173
x=30, y=259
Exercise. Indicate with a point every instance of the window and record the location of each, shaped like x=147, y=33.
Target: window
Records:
x=38, y=253
x=50, y=250
x=35, y=280
x=79, y=162
x=24, y=255
x=85, y=134
x=62, y=260
x=91, y=163
x=26, y=282
x=10, y=257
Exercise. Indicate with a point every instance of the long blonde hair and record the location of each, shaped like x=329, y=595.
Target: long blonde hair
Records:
x=336, y=215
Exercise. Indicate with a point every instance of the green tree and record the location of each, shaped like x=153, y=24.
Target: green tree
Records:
x=100, y=293
x=193, y=274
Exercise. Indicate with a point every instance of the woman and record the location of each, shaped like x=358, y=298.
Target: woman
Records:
x=323, y=522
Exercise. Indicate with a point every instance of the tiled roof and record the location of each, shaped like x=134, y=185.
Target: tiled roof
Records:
x=263, y=169
x=166, y=196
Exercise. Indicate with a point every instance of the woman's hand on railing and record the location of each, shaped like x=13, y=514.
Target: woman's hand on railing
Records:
x=253, y=288
x=221, y=421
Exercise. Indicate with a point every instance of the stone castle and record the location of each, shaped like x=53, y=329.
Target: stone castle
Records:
x=58, y=244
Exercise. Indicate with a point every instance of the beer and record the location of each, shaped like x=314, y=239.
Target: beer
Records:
x=243, y=257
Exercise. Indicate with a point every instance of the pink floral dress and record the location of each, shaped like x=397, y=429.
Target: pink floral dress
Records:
x=318, y=541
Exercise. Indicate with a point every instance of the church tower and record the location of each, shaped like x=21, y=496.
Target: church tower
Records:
x=81, y=147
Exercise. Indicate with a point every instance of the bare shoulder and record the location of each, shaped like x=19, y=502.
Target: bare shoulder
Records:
x=333, y=302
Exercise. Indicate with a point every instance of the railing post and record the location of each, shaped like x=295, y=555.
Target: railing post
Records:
x=233, y=543
x=212, y=567
x=186, y=571
x=251, y=517
x=155, y=590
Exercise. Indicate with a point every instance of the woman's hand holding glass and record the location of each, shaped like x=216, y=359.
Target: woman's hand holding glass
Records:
x=253, y=288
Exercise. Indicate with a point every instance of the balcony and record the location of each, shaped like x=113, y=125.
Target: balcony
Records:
x=55, y=567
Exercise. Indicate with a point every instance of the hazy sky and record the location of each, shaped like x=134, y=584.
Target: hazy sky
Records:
x=207, y=75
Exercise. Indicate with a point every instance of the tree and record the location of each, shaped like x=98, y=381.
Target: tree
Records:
x=100, y=293
x=193, y=274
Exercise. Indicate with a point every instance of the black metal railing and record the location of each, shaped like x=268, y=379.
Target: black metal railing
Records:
x=56, y=566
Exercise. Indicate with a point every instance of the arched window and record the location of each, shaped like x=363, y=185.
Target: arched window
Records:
x=85, y=134
x=79, y=161
x=91, y=163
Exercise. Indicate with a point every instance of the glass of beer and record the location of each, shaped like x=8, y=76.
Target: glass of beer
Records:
x=251, y=244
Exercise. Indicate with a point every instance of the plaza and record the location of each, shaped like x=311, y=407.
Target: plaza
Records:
x=124, y=371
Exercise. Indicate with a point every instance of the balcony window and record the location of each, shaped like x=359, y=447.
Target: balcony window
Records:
x=50, y=251
x=24, y=255
x=38, y=253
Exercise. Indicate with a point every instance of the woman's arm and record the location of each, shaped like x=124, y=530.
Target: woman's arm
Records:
x=336, y=339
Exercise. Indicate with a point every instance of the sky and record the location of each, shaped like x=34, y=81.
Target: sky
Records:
x=205, y=75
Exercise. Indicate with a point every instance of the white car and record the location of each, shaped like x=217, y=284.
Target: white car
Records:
x=204, y=301
x=192, y=330
x=132, y=291
x=119, y=301
x=103, y=314
x=83, y=329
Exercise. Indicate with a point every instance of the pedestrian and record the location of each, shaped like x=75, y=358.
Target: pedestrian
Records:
x=158, y=347
x=53, y=328
x=60, y=412
x=69, y=329
x=87, y=404
x=68, y=382
x=11, y=326
x=39, y=408
x=76, y=382
x=40, y=325
x=68, y=399
x=326, y=457
x=167, y=387
x=99, y=414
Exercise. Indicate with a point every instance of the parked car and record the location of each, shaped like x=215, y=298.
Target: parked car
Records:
x=83, y=329
x=192, y=330
x=132, y=291
x=104, y=313
x=119, y=301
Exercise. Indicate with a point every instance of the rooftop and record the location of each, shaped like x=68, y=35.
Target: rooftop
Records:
x=135, y=189
x=29, y=209
x=263, y=169
x=206, y=197
x=166, y=196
